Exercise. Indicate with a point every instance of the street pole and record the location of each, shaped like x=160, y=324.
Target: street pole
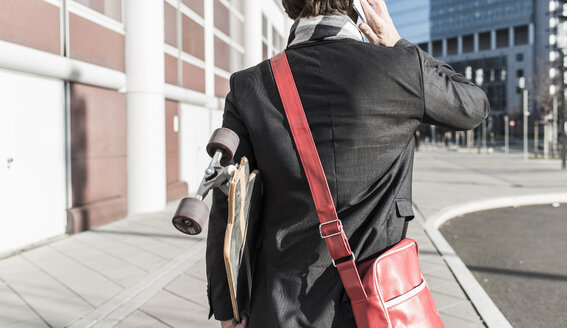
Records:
x=563, y=131
x=562, y=111
x=554, y=128
x=484, y=141
x=433, y=135
x=506, y=134
x=526, y=114
x=536, y=139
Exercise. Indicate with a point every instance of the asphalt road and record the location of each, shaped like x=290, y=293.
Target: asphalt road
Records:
x=519, y=256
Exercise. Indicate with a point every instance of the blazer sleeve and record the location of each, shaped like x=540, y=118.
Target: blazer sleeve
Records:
x=217, y=285
x=451, y=101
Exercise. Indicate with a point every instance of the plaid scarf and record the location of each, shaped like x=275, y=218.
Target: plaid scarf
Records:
x=323, y=27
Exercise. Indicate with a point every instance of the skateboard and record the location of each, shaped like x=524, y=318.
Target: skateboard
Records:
x=244, y=191
x=244, y=198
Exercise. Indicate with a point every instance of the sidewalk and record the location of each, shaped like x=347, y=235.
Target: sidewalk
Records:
x=141, y=272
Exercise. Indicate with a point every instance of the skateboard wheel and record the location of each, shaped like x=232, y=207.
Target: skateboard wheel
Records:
x=225, y=140
x=191, y=216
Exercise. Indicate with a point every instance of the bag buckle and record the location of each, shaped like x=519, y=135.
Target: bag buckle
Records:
x=333, y=234
x=344, y=259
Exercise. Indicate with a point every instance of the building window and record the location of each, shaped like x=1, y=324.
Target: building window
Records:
x=222, y=18
x=520, y=73
x=112, y=9
x=264, y=26
x=193, y=38
x=437, y=48
x=503, y=38
x=521, y=35
x=484, y=41
x=198, y=6
x=497, y=74
x=468, y=43
x=170, y=24
x=277, y=41
x=452, y=46
x=520, y=57
x=423, y=46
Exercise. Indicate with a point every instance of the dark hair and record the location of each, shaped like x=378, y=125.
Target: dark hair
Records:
x=309, y=8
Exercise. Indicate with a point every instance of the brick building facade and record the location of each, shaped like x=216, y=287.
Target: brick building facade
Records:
x=106, y=105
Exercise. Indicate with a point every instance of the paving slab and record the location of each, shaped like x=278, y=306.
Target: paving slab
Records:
x=15, y=312
x=53, y=301
x=176, y=311
x=140, y=319
x=463, y=310
x=191, y=289
x=452, y=321
x=122, y=273
x=125, y=251
x=92, y=286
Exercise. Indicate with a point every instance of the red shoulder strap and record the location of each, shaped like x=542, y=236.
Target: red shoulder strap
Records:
x=331, y=227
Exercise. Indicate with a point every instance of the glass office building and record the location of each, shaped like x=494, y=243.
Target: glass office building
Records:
x=494, y=43
x=412, y=19
x=454, y=17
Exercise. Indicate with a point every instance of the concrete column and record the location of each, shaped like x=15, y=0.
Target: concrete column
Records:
x=252, y=32
x=460, y=45
x=493, y=39
x=145, y=105
x=531, y=33
x=444, y=47
x=511, y=37
x=476, y=42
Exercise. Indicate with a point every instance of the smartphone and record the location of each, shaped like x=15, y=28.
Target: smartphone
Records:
x=358, y=8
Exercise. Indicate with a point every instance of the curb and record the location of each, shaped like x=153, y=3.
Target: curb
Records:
x=489, y=312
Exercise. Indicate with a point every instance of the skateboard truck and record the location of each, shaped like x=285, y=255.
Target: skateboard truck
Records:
x=192, y=213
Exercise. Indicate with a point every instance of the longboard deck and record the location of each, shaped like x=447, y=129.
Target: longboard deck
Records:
x=243, y=211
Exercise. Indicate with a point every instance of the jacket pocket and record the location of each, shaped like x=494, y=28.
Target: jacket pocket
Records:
x=404, y=209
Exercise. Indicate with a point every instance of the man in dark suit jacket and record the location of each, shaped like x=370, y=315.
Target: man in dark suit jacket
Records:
x=363, y=103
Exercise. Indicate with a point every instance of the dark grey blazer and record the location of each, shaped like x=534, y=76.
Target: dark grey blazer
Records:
x=363, y=104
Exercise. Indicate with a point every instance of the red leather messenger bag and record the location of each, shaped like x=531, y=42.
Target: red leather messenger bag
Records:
x=388, y=291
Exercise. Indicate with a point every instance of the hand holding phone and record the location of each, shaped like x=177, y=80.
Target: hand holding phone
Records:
x=379, y=27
